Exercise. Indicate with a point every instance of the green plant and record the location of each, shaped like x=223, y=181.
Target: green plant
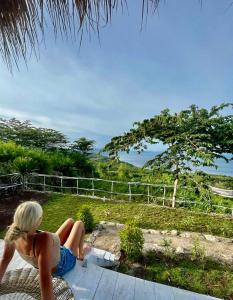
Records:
x=198, y=251
x=23, y=165
x=132, y=240
x=84, y=145
x=86, y=216
x=169, y=251
x=151, y=217
x=194, y=137
x=123, y=172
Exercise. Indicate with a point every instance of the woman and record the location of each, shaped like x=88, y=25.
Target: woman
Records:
x=52, y=253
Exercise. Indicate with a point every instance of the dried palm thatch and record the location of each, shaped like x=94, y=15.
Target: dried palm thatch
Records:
x=24, y=284
x=22, y=22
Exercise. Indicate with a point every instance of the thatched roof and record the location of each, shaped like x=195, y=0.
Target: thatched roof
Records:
x=22, y=22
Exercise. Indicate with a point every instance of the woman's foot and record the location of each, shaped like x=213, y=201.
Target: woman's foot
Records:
x=86, y=250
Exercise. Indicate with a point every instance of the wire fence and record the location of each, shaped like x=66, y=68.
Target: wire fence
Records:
x=159, y=194
x=10, y=183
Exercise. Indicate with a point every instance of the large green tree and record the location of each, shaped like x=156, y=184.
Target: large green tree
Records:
x=83, y=145
x=27, y=135
x=193, y=137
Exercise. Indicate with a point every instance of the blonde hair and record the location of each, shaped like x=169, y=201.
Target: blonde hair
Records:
x=26, y=219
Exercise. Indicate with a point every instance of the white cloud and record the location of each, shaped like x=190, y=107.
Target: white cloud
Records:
x=11, y=113
x=103, y=90
x=78, y=100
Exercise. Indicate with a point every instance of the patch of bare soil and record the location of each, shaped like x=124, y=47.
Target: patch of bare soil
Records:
x=8, y=205
x=218, y=248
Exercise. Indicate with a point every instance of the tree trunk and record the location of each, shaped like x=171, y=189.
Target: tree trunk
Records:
x=174, y=192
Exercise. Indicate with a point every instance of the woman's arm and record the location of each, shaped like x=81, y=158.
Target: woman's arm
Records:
x=8, y=253
x=44, y=246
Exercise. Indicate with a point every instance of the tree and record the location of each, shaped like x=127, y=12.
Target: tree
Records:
x=83, y=166
x=25, y=160
x=83, y=145
x=25, y=134
x=123, y=172
x=194, y=137
x=23, y=165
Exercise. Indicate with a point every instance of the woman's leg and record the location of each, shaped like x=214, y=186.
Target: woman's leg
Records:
x=64, y=231
x=75, y=239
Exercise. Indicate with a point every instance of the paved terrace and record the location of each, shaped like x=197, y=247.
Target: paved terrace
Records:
x=96, y=283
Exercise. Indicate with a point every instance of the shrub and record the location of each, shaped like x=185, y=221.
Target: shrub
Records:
x=41, y=161
x=62, y=164
x=9, y=151
x=23, y=165
x=169, y=251
x=123, y=172
x=198, y=251
x=131, y=238
x=86, y=216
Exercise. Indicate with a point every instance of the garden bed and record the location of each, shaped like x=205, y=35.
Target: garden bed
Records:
x=182, y=243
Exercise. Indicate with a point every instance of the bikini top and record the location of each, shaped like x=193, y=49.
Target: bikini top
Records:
x=32, y=260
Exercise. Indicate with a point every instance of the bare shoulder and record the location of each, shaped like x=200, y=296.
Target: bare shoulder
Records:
x=9, y=247
x=44, y=251
x=44, y=242
x=44, y=237
x=8, y=252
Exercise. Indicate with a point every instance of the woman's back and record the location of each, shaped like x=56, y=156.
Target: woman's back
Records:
x=27, y=248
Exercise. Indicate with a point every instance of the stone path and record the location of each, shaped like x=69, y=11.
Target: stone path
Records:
x=219, y=248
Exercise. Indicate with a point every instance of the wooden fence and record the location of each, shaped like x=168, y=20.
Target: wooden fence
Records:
x=159, y=194
x=9, y=183
x=93, y=187
x=222, y=192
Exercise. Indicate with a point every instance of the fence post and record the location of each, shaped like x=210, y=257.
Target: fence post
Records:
x=61, y=183
x=77, y=186
x=44, y=184
x=148, y=194
x=93, y=188
x=26, y=182
x=111, y=190
x=164, y=194
x=130, y=196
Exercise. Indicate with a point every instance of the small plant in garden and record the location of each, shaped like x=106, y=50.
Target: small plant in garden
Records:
x=86, y=216
x=132, y=240
x=169, y=251
x=198, y=251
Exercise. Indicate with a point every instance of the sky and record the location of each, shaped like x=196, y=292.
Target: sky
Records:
x=182, y=56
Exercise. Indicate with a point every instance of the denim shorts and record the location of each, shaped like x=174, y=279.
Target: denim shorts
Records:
x=66, y=263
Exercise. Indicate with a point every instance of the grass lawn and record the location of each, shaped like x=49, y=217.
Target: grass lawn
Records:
x=59, y=207
x=202, y=277
x=206, y=277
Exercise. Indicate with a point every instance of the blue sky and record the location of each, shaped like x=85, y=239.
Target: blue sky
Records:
x=183, y=56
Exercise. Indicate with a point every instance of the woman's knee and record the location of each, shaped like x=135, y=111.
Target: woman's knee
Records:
x=79, y=224
x=69, y=221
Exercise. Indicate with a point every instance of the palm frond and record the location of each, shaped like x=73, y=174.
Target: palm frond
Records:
x=22, y=22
